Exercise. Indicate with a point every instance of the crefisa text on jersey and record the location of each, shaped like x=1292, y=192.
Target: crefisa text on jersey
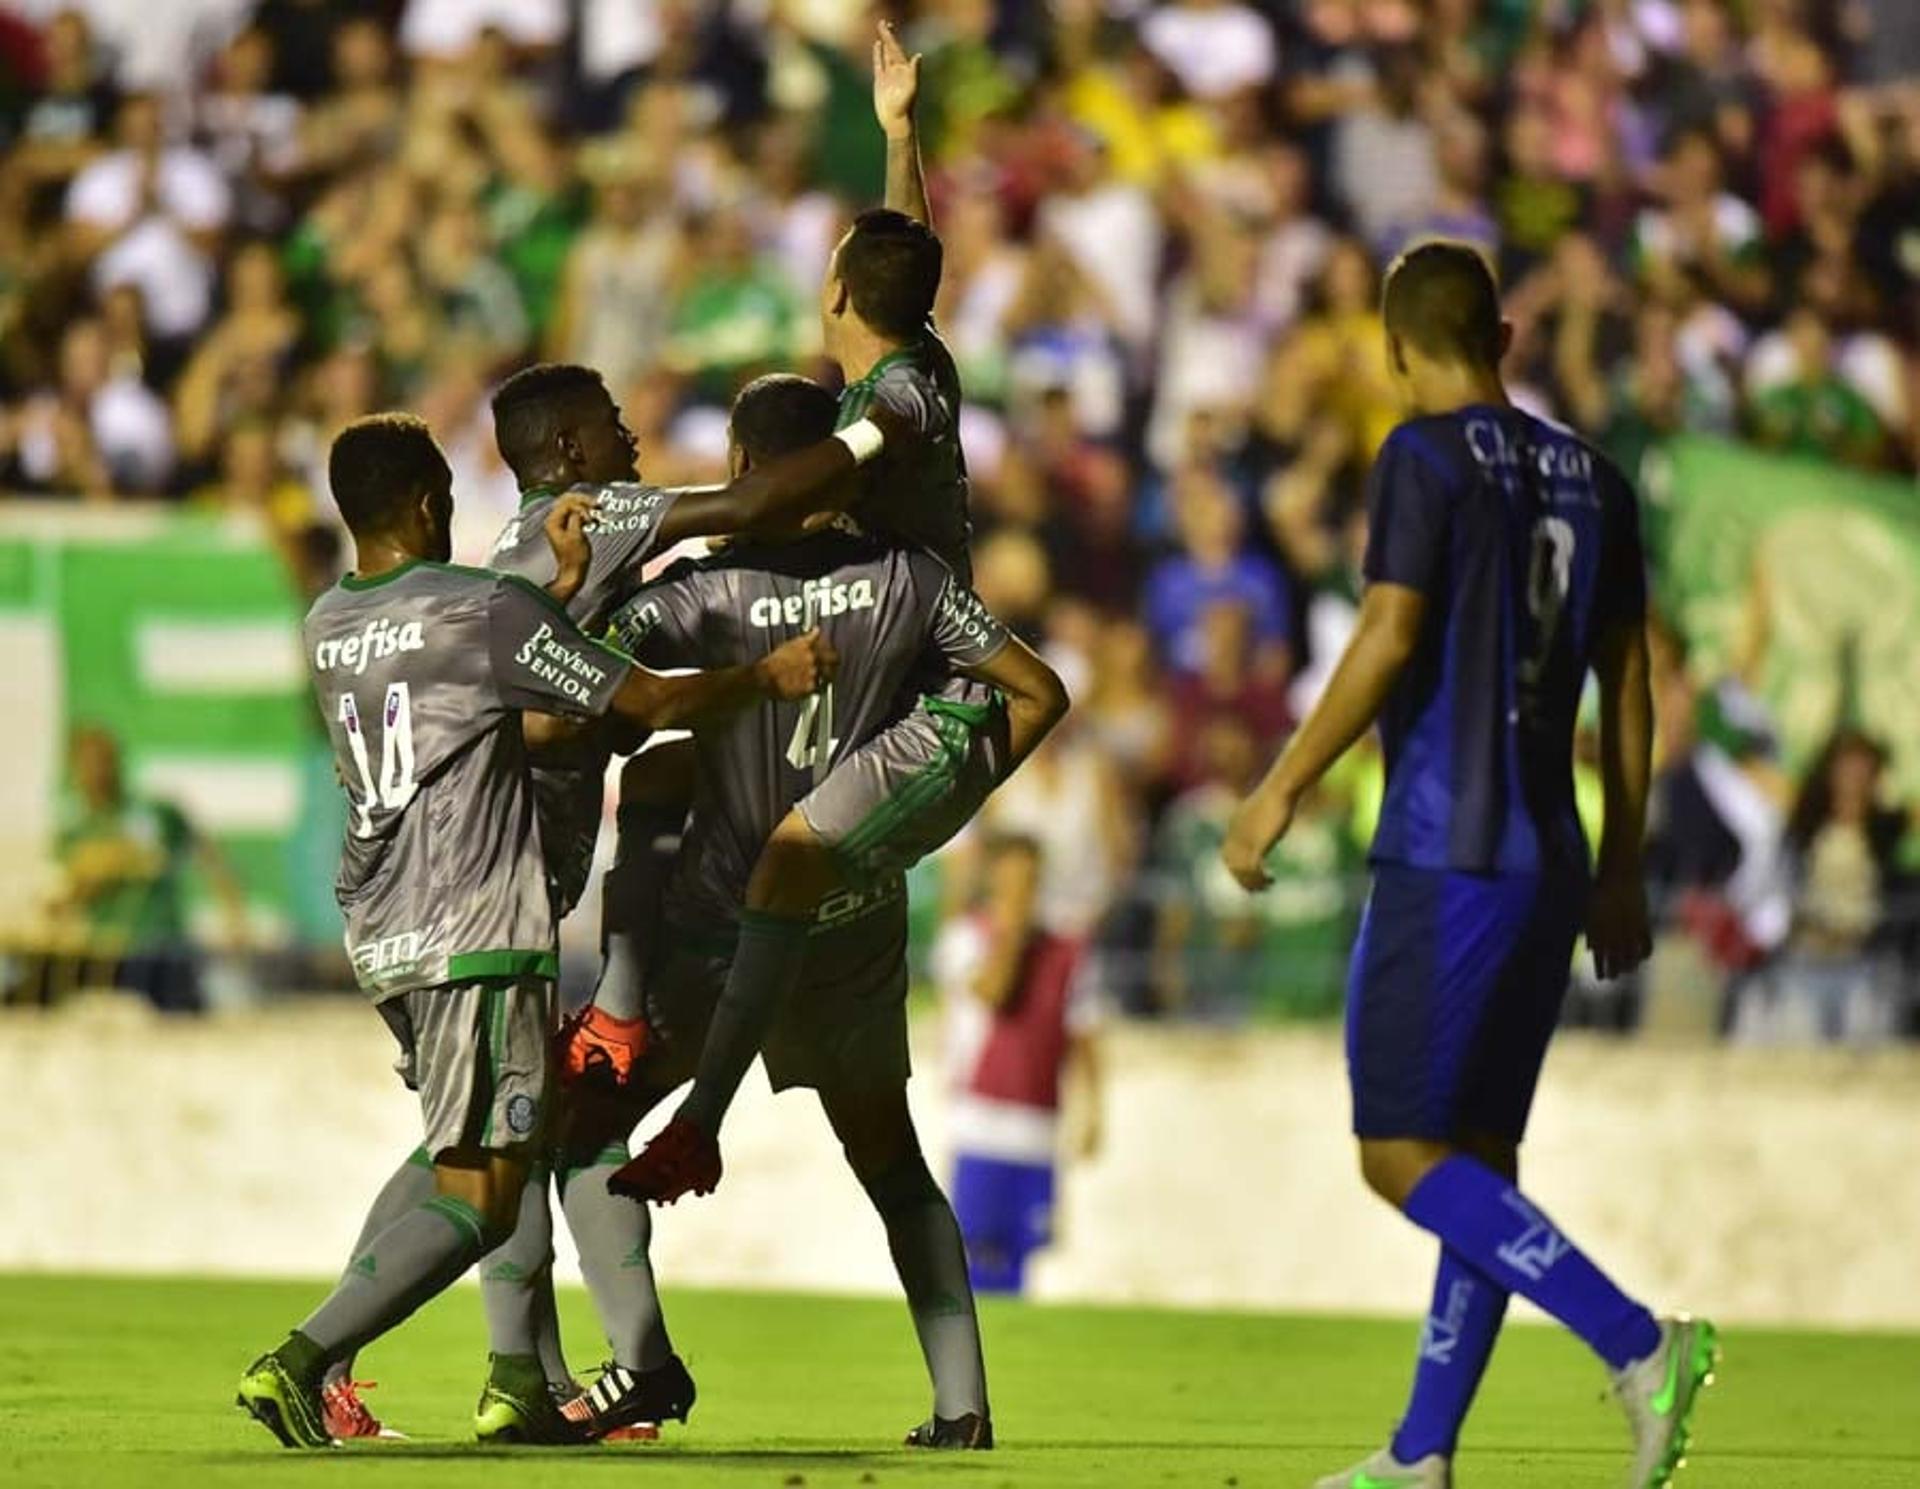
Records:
x=558, y=663
x=381, y=638
x=817, y=598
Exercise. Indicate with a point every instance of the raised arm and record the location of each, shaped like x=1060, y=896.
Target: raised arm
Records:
x=1617, y=914
x=896, y=85
x=1387, y=633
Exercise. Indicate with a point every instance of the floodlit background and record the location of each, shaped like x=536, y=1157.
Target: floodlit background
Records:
x=227, y=228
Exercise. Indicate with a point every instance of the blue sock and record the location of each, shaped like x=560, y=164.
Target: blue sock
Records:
x=1456, y=1341
x=1496, y=1229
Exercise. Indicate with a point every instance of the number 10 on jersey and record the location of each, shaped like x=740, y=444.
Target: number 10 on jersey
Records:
x=395, y=786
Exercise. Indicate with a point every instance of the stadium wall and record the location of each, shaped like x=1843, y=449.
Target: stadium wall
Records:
x=1760, y=1185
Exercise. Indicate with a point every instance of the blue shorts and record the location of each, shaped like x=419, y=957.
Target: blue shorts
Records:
x=1005, y=1210
x=1454, y=990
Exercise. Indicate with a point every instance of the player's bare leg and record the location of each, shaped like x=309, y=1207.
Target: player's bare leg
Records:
x=877, y=1135
x=1659, y=1366
x=793, y=874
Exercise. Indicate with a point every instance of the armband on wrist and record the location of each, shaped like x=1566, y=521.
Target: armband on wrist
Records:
x=863, y=440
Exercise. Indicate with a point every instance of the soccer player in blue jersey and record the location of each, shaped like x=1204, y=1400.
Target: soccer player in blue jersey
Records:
x=1503, y=563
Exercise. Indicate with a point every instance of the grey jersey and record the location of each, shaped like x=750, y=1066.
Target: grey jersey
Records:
x=886, y=610
x=421, y=674
x=568, y=796
x=919, y=495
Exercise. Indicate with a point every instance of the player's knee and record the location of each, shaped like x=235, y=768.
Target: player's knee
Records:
x=906, y=1183
x=490, y=1184
x=1393, y=1167
x=794, y=871
x=1501, y=1154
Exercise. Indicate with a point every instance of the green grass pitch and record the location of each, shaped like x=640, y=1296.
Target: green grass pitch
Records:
x=107, y=1382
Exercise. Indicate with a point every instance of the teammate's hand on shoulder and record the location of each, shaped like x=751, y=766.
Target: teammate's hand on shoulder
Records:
x=801, y=666
x=1256, y=825
x=896, y=82
x=566, y=528
x=1617, y=931
x=898, y=430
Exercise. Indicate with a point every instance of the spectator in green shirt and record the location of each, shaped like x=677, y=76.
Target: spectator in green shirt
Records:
x=1280, y=954
x=737, y=316
x=1816, y=412
x=125, y=861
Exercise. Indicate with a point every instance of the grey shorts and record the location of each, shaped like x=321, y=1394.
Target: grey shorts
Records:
x=480, y=1054
x=844, y=1028
x=911, y=787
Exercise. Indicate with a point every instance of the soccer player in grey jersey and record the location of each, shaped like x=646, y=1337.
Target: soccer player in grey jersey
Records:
x=811, y=965
x=875, y=307
x=560, y=431
x=423, y=671
x=562, y=435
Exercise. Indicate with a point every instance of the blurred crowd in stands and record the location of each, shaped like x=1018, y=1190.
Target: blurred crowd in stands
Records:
x=226, y=228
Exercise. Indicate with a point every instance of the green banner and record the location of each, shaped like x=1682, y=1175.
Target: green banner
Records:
x=1803, y=576
x=180, y=634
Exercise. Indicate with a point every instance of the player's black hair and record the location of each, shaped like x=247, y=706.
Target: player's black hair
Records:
x=890, y=264
x=780, y=413
x=534, y=405
x=380, y=465
x=1441, y=299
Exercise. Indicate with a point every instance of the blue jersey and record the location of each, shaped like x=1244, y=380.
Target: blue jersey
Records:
x=1526, y=544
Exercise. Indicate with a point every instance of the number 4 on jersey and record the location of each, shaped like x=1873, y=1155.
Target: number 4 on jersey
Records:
x=811, y=747
x=395, y=787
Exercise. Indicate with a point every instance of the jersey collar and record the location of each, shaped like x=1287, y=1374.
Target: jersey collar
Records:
x=359, y=581
x=899, y=354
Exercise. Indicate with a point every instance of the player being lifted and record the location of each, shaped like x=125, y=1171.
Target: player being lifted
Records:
x=1503, y=562
x=835, y=948
x=876, y=312
x=561, y=434
x=422, y=671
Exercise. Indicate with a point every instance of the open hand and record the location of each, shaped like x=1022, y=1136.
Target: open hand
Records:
x=802, y=666
x=896, y=82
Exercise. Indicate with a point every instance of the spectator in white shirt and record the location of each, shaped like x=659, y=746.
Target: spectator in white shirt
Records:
x=1214, y=47
x=99, y=433
x=150, y=214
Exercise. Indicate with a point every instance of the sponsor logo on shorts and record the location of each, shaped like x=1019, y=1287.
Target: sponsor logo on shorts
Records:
x=521, y=1115
x=390, y=956
x=848, y=905
x=560, y=665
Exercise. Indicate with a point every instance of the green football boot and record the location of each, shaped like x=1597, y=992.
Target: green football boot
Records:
x=517, y=1407
x=1659, y=1394
x=285, y=1405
